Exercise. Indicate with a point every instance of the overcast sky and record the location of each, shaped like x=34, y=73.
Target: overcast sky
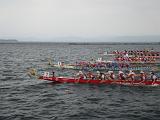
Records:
x=82, y=18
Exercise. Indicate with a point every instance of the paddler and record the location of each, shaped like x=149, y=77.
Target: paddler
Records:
x=102, y=76
x=142, y=76
x=90, y=75
x=111, y=75
x=153, y=77
x=121, y=75
x=46, y=74
x=80, y=75
x=98, y=76
x=131, y=75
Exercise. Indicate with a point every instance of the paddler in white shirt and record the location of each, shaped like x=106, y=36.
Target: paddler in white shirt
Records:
x=80, y=75
x=98, y=76
x=131, y=75
x=111, y=75
x=142, y=76
x=153, y=77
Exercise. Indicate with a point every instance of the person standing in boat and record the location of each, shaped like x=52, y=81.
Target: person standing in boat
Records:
x=53, y=73
x=121, y=75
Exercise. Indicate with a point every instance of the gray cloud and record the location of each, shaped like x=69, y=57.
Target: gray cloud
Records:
x=53, y=18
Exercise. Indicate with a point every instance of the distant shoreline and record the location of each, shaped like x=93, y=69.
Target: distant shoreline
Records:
x=82, y=43
x=8, y=41
x=12, y=41
x=116, y=43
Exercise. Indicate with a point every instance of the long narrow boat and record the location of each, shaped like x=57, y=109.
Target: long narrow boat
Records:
x=134, y=54
x=135, y=68
x=112, y=66
x=90, y=81
x=64, y=66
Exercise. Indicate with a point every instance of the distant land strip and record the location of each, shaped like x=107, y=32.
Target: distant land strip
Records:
x=115, y=43
x=95, y=43
x=79, y=43
x=8, y=41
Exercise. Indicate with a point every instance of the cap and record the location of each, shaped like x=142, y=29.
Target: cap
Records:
x=120, y=72
x=110, y=71
x=98, y=72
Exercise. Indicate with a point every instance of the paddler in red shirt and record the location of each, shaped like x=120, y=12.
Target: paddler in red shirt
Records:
x=90, y=75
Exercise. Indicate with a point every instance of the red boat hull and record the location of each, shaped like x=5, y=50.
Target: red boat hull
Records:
x=90, y=81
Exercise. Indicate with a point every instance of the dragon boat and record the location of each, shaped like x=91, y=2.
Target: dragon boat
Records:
x=115, y=66
x=101, y=68
x=144, y=54
x=107, y=82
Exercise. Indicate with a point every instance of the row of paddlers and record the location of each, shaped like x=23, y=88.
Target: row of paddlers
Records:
x=135, y=53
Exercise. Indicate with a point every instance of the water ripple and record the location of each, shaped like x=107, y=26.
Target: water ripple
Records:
x=30, y=99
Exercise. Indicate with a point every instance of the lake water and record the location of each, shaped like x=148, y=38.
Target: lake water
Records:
x=25, y=98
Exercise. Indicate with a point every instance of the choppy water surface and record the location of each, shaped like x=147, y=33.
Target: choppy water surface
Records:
x=23, y=98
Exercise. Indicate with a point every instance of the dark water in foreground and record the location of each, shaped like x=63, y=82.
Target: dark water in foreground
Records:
x=22, y=98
